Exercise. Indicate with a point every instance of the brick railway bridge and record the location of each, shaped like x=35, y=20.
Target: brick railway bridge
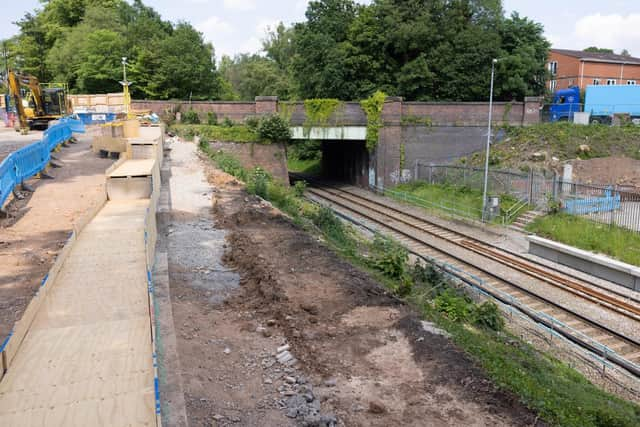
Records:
x=429, y=132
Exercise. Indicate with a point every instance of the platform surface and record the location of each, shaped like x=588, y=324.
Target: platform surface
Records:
x=87, y=359
x=137, y=167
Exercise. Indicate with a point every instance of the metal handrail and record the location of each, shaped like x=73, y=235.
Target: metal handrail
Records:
x=514, y=211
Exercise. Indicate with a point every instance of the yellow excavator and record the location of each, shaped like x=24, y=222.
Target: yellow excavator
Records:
x=42, y=103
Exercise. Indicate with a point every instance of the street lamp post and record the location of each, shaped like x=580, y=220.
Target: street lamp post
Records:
x=488, y=148
x=125, y=88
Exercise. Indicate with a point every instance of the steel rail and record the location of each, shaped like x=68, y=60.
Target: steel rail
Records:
x=516, y=262
x=594, y=346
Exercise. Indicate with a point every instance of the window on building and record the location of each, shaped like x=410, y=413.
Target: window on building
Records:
x=553, y=67
x=631, y=82
x=553, y=84
x=611, y=82
x=596, y=82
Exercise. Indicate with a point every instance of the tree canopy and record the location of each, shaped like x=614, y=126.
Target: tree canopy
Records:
x=420, y=49
x=82, y=43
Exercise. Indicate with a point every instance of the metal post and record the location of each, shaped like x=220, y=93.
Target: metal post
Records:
x=486, y=160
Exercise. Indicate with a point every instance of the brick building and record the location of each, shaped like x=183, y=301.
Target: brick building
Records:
x=579, y=68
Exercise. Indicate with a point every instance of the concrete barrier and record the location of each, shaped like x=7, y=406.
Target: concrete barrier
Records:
x=618, y=272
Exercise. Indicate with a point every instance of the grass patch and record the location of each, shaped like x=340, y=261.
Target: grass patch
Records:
x=235, y=133
x=463, y=201
x=582, y=233
x=309, y=166
x=561, y=395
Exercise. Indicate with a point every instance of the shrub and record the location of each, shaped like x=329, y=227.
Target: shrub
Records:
x=252, y=123
x=307, y=149
x=258, y=182
x=487, y=315
x=456, y=308
x=299, y=187
x=212, y=118
x=191, y=118
x=389, y=257
x=227, y=122
x=274, y=128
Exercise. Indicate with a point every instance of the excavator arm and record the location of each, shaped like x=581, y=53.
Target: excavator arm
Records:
x=14, y=91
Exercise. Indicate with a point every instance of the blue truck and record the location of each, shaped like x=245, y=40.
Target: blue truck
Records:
x=601, y=102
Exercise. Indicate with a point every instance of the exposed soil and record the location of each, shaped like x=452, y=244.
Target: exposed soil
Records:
x=38, y=225
x=622, y=171
x=363, y=358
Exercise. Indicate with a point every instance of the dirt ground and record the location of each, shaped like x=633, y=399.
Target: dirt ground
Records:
x=10, y=140
x=622, y=171
x=39, y=225
x=307, y=339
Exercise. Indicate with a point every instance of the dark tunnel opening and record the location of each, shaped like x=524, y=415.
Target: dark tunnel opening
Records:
x=346, y=162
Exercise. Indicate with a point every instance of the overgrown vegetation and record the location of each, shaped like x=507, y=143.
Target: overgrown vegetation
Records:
x=236, y=133
x=319, y=111
x=264, y=130
x=372, y=107
x=304, y=156
x=273, y=128
x=582, y=233
x=561, y=140
x=557, y=392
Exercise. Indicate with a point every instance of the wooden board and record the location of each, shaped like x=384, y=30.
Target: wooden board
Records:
x=138, y=167
x=87, y=358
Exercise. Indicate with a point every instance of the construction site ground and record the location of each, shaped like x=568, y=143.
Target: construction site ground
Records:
x=244, y=281
x=10, y=140
x=40, y=223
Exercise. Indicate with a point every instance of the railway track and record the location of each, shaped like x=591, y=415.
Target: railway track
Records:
x=427, y=239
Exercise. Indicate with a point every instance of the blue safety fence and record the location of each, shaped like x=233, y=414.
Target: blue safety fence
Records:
x=28, y=161
x=608, y=203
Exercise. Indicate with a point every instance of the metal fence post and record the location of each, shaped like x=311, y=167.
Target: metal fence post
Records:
x=530, y=196
x=554, y=187
x=431, y=174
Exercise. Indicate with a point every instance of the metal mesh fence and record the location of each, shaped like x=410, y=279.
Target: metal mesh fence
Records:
x=607, y=204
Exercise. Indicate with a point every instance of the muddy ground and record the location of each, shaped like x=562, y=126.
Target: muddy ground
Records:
x=39, y=225
x=351, y=354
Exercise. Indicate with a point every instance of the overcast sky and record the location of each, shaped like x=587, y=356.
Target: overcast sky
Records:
x=235, y=26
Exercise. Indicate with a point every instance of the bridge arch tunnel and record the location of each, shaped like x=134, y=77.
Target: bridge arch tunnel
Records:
x=345, y=161
x=344, y=155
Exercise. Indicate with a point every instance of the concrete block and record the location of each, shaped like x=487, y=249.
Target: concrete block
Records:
x=618, y=272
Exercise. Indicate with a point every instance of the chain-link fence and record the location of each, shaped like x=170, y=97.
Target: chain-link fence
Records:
x=607, y=204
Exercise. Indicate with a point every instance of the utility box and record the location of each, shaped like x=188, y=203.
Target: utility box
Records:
x=493, y=207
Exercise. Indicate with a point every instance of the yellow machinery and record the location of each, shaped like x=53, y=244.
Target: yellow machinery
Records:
x=42, y=104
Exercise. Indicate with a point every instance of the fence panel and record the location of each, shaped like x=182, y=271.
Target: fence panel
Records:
x=602, y=203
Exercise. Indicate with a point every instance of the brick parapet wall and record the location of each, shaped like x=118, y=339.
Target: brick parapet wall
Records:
x=438, y=113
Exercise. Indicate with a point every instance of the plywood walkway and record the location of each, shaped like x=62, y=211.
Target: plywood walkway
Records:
x=87, y=359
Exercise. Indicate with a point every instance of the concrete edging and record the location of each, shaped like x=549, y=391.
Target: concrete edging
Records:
x=615, y=271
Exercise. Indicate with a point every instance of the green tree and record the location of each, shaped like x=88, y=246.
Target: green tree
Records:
x=253, y=75
x=187, y=68
x=596, y=49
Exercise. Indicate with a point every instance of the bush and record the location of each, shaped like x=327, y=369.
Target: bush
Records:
x=456, y=308
x=212, y=118
x=389, y=257
x=227, y=122
x=487, y=315
x=252, y=123
x=274, y=128
x=299, y=187
x=190, y=118
x=258, y=182
x=307, y=149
